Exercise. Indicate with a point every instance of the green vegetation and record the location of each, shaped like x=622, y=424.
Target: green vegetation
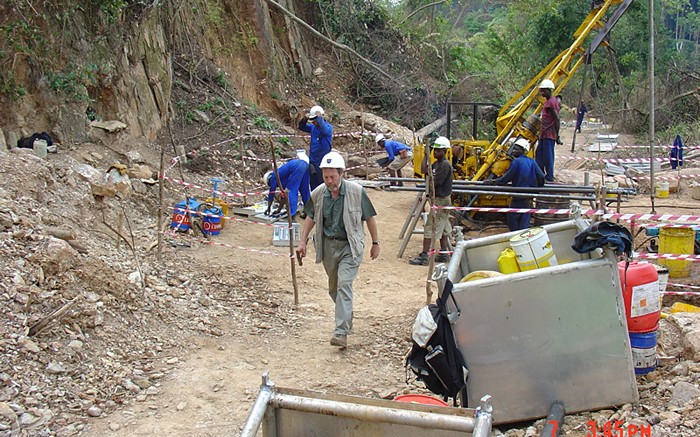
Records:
x=263, y=123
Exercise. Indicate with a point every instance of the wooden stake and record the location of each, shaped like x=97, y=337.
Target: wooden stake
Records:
x=289, y=222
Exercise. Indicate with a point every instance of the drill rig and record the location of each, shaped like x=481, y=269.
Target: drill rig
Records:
x=481, y=160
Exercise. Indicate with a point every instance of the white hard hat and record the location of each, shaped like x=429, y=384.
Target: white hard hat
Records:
x=314, y=112
x=547, y=84
x=333, y=160
x=522, y=142
x=301, y=154
x=266, y=178
x=441, y=143
x=378, y=138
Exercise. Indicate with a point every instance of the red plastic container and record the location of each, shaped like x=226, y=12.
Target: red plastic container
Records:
x=640, y=291
x=421, y=399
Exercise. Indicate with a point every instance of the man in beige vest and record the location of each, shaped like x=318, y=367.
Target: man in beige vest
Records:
x=338, y=208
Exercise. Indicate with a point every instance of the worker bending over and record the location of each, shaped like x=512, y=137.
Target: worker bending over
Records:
x=398, y=155
x=294, y=177
x=523, y=172
x=337, y=209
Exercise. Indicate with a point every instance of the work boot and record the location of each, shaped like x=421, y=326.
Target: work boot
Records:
x=442, y=258
x=420, y=260
x=399, y=183
x=340, y=340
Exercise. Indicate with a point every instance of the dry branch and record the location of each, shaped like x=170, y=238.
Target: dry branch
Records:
x=43, y=323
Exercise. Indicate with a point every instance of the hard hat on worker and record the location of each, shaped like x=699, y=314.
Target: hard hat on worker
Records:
x=266, y=178
x=547, y=84
x=333, y=160
x=315, y=111
x=522, y=142
x=378, y=138
x=441, y=143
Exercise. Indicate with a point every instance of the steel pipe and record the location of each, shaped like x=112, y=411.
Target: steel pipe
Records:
x=555, y=419
x=380, y=414
x=257, y=413
x=502, y=193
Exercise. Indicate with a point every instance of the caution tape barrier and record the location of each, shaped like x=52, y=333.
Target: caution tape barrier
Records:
x=230, y=246
x=590, y=212
x=668, y=256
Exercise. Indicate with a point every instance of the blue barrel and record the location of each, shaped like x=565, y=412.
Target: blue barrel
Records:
x=211, y=221
x=643, y=351
x=181, y=217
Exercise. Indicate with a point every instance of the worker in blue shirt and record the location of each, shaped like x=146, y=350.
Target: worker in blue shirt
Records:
x=294, y=176
x=523, y=172
x=398, y=155
x=321, y=135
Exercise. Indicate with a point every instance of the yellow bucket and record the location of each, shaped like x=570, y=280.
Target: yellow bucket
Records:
x=677, y=241
x=662, y=190
x=221, y=204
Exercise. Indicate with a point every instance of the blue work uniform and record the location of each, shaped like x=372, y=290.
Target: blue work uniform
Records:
x=319, y=146
x=394, y=148
x=294, y=175
x=523, y=172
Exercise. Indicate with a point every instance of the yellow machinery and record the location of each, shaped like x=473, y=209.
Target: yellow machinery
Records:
x=478, y=160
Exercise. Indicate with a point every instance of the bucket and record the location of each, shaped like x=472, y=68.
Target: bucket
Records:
x=662, y=190
x=611, y=185
x=677, y=241
x=181, y=218
x=221, y=204
x=508, y=262
x=421, y=399
x=533, y=249
x=643, y=351
x=640, y=291
x=663, y=282
x=211, y=221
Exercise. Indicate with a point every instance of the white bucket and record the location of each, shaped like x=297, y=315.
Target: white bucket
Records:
x=533, y=249
x=611, y=185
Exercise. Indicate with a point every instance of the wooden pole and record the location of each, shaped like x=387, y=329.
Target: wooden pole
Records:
x=161, y=202
x=364, y=142
x=289, y=222
x=430, y=185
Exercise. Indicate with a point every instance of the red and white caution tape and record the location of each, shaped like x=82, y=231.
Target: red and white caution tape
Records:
x=223, y=217
x=614, y=160
x=668, y=256
x=671, y=178
x=658, y=146
x=590, y=212
x=668, y=225
x=692, y=287
x=230, y=246
x=209, y=190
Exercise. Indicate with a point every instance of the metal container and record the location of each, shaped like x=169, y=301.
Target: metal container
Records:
x=552, y=334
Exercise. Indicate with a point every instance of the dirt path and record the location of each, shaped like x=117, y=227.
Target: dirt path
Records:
x=212, y=389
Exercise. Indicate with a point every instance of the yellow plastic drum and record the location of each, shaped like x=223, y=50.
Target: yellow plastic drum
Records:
x=533, y=249
x=662, y=190
x=677, y=241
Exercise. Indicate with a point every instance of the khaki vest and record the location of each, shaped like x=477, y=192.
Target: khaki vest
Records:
x=352, y=218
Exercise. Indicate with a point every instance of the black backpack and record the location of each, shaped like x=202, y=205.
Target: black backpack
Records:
x=439, y=363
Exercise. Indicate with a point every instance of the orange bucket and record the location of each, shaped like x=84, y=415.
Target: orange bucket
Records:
x=421, y=399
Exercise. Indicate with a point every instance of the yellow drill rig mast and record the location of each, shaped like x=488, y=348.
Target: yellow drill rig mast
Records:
x=482, y=160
